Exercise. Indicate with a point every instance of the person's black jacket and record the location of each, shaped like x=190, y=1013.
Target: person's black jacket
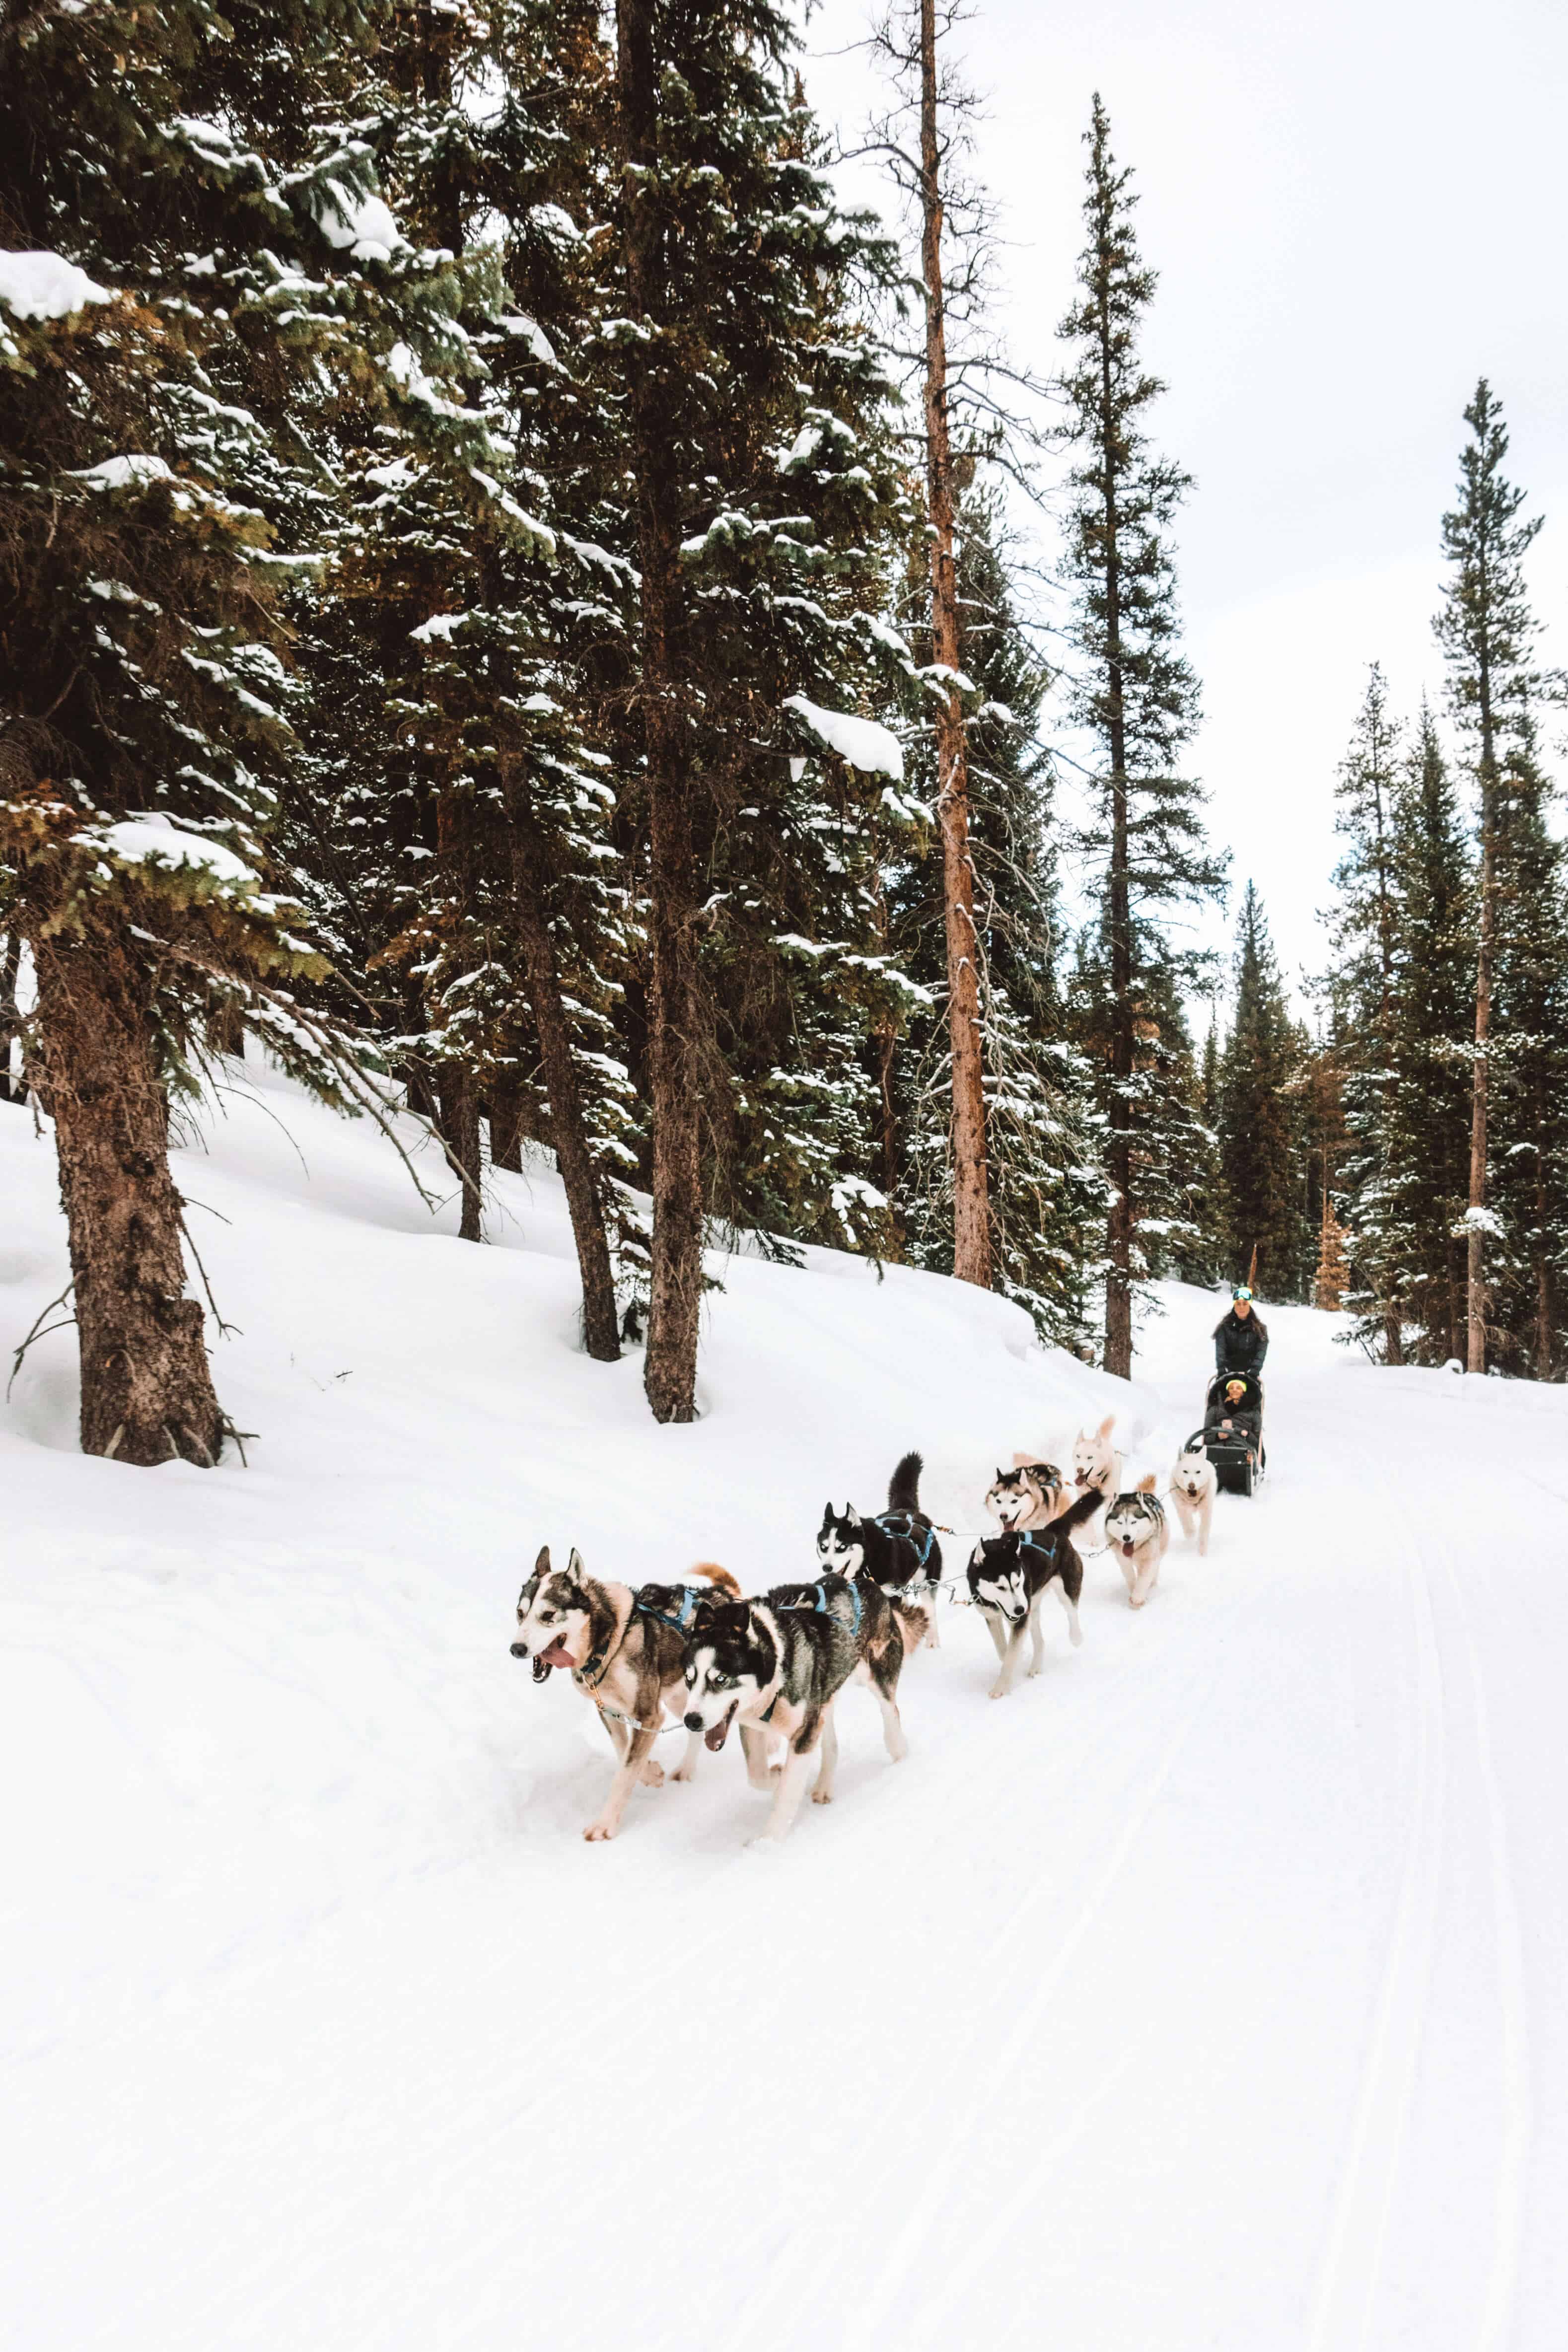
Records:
x=1239, y=1344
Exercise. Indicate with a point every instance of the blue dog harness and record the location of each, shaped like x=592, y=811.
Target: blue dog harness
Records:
x=901, y=1523
x=819, y=1608
x=691, y=1595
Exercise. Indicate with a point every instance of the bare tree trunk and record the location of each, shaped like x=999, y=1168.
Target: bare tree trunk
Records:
x=887, y=1053
x=1475, y=1264
x=11, y=1090
x=460, y=1138
x=506, y=1125
x=670, y=1373
x=970, y=1207
x=600, y=1334
x=146, y=1386
x=1543, y=1256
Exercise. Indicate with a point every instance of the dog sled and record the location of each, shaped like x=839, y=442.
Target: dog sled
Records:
x=1232, y=1433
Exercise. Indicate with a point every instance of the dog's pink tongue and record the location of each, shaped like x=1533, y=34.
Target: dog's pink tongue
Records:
x=557, y=1655
x=720, y=1732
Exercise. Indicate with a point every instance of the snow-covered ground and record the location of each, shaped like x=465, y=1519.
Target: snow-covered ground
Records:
x=1205, y=1992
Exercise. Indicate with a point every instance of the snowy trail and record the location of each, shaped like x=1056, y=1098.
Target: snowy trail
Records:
x=1204, y=1993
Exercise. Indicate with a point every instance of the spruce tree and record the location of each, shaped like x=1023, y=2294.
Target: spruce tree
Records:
x=1487, y=631
x=1424, y=1149
x=1136, y=697
x=1529, y=1049
x=1363, y=931
x=205, y=262
x=1268, y=1238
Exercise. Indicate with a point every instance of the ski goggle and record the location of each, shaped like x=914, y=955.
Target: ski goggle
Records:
x=1241, y=1291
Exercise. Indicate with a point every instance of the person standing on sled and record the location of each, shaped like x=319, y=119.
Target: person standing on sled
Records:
x=1240, y=1339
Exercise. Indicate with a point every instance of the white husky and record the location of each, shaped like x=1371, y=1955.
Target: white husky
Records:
x=1095, y=1461
x=1193, y=1487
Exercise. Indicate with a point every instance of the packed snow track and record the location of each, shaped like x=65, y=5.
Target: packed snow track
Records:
x=1205, y=1992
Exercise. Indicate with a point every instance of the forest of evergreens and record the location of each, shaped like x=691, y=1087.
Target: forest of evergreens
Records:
x=516, y=601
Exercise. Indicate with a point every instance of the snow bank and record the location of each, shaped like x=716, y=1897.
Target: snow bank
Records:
x=321, y=2024
x=46, y=286
x=861, y=742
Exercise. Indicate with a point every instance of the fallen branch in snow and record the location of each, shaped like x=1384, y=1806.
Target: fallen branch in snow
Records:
x=36, y=1334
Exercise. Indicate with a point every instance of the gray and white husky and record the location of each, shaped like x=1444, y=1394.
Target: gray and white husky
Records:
x=1137, y=1532
x=625, y=1650
x=1009, y=1576
x=1194, y=1483
x=777, y=1665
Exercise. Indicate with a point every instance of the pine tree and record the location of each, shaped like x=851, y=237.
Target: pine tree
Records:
x=1487, y=632
x=1425, y=1145
x=1363, y=931
x=1135, y=695
x=1261, y=1143
x=203, y=256
x=1529, y=1048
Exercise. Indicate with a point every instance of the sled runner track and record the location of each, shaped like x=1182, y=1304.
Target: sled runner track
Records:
x=1509, y=2214
x=1352, y=2265
x=1021, y=1990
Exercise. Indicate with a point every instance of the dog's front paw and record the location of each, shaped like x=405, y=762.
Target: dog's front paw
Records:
x=684, y=1772
x=821, y=1796
x=999, y=1690
x=1136, y=1600
x=653, y=1774
x=597, y=1833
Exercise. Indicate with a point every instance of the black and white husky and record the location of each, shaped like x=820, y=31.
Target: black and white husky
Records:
x=1009, y=1576
x=778, y=1664
x=897, y=1550
x=1137, y=1531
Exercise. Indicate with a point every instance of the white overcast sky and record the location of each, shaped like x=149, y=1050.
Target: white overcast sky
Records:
x=1355, y=207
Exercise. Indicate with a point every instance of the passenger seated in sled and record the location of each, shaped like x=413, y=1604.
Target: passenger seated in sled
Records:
x=1233, y=1410
x=1233, y=1429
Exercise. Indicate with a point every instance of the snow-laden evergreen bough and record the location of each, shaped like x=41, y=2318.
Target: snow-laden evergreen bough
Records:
x=218, y=274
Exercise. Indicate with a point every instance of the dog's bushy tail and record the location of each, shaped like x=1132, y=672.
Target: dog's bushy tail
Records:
x=719, y=1578
x=904, y=1486
x=1087, y=1502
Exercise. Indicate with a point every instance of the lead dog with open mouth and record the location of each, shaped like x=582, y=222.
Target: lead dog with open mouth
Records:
x=777, y=1664
x=626, y=1651
x=1137, y=1532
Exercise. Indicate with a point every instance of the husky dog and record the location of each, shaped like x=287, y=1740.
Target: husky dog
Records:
x=1095, y=1462
x=1193, y=1485
x=897, y=1551
x=1008, y=1577
x=779, y=1663
x=1135, y=1529
x=625, y=1651
x=1028, y=1496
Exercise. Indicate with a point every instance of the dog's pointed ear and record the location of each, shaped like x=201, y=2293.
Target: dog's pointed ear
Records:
x=574, y=1564
x=1147, y=1485
x=827, y=1514
x=541, y=1564
x=852, y=1514
x=977, y=1557
x=1000, y=1473
x=1106, y=1426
